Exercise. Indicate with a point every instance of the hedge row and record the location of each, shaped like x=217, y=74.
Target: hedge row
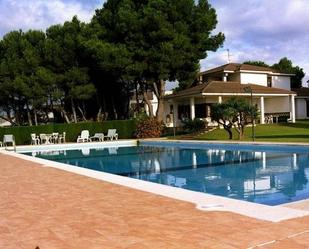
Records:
x=125, y=129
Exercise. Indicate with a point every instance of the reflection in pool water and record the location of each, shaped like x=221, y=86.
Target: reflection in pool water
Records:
x=268, y=177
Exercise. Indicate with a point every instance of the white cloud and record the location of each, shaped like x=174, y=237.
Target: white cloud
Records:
x=263, y=30
x=255, y=30
x=39, y=14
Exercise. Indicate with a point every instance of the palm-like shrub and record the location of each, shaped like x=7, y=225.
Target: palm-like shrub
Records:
x=195, y=125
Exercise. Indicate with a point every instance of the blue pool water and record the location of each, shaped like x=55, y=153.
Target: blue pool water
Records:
x=256, y=174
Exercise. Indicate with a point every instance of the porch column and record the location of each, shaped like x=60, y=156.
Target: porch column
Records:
x=292, y=109
x=262, y=110
x=192, y=108
x=175, y=113
x=220, y=99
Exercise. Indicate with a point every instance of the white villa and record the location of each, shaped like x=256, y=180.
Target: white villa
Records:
x=269, y=89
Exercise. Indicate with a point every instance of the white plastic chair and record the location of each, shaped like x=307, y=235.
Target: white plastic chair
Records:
x=61, y=138
x=55, y=137
x=35, y=140
x=8, y=139
x=111, y=134
x=84, y=137
x=43, y=138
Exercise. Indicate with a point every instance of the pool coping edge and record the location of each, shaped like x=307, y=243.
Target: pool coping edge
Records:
x=202, y=201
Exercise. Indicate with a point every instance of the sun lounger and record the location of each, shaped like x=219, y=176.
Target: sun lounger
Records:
x=97, y=137
x=84, y=137
x=111, y=134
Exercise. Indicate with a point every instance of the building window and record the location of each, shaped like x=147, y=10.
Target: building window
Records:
x=269, y=81
x=307, y=107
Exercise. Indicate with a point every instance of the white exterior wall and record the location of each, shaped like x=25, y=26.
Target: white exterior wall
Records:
x=301, y=108
x=253, y=78
x=283, y=82
x=277, y=104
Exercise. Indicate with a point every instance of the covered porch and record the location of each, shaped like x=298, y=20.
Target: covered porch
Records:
x=275, y=105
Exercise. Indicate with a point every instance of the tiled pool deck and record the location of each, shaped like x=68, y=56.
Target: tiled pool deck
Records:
x=49, y=208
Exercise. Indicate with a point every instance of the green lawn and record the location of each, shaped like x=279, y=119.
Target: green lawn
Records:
x=298, y=132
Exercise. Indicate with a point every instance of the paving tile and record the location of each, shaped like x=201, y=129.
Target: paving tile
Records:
x=288, y=244
x=50, y=208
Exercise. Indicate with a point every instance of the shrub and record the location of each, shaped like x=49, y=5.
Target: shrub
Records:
x=193, y=125
x=148, y=128
x=125, y=129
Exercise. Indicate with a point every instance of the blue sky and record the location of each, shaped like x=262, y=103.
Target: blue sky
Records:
x=255, y=29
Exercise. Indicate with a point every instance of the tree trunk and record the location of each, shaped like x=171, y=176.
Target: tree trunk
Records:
x=64, y=114
x=114, y=109
x=16, y=110
x=82, y=113
x=73, y=111
x=228, y=127
x=242, y=131
x=29, y=115
x=35, y=117
x=136, y=98
x=238, y=129
x=8, y=118
x=159, y=91
x=148, y=103
x=160, y=110
x=99, y=115
x=229, y=132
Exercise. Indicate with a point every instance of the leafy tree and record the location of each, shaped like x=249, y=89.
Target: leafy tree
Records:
x=75, y=70
x=107, y=63
x=64, y=54
x=235, y=112
x=164, y=40
x=78, y=88
x=22, y=56
x=256, y=63
x=223, y=114
x=285, y=65
x=243, y=113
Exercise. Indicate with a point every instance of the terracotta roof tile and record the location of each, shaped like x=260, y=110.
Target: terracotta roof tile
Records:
x=227, y=87
x=237, y=67
x=236, y=87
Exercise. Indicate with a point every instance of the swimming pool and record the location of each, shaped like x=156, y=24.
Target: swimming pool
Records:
x=269, y=175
